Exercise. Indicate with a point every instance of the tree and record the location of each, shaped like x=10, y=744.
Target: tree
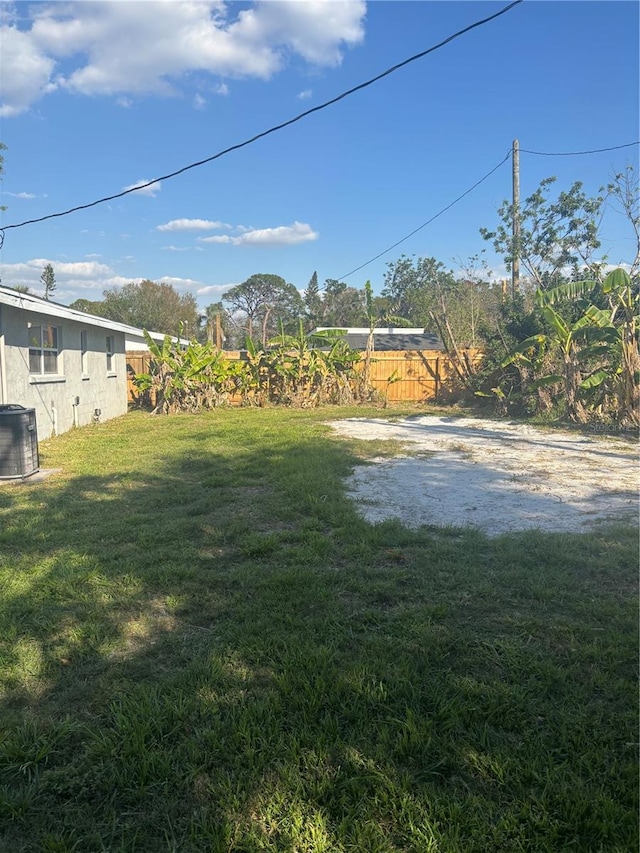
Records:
x=414, y=287
x=555, y=236
x=475, y=306
x=151, y=305
x=342, y=306
x=48, y=280
x=623, y=195
x=87, y=306
x=313, y=302
x=267, y=302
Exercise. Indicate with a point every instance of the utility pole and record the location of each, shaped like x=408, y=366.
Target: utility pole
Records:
x=515, y=263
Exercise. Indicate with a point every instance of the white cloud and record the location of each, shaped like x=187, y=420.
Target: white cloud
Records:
x=26, y=71
x=214, y=290
x=88, y=279
x=221, y=89
x=72, y=277
x=180, y=283
x=151, y=190
x=182, y=248
x=191, y=225
x=124, y=102
x=21, y=195
x=283, y=235
x=122, y=49
x=304, y=95
x=78, y=269
x=199, y=102
x=218, y=238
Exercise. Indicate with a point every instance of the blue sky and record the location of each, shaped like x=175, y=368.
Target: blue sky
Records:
x=99, y=96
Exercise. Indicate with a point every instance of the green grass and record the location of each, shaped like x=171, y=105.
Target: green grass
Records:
x=204, y=648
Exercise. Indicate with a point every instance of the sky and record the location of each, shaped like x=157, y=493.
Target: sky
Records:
x=96, y=97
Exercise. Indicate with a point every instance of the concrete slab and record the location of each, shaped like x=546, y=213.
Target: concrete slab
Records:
x=37, y=477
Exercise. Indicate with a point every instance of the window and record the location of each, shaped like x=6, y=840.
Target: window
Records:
x=110, y=349
x=83, y=353
x=44, y=349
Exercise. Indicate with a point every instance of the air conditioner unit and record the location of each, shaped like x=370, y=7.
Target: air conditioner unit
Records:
x=18, y=442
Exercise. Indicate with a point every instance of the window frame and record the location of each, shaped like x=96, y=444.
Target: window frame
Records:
x=110, y=349
x=39, y=350
x=84, y=352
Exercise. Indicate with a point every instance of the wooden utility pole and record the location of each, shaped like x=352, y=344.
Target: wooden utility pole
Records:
x=515, y=264
x=218, y=332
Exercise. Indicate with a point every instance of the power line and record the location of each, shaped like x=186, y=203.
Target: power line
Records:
x=270, y=130
x=577, y=153
x=429, y=221
x=444, y=209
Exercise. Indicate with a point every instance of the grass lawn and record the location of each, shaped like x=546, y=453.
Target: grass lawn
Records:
x=203, y=648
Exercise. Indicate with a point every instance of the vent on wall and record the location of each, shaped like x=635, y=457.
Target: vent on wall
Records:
x=18, y=442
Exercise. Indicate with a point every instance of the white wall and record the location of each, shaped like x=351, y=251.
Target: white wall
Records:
x=53, y=396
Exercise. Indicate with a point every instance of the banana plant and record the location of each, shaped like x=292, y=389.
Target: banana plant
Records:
x=624, y=300
x=303, y=373
x=187, y=378
x=579, y=344
x=618, y=375
x=596, y=355
x=256, y=389
x=161, y=383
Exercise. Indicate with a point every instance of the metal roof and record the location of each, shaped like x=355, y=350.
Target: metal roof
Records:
x=392, y=338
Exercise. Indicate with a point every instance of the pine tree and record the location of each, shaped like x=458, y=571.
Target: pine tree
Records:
x=313, y=302
x=48, y=280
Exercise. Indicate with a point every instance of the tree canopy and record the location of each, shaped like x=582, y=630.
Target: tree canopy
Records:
x=151, y=305
x=342, y=305
x=262, y=304
x=554, y=235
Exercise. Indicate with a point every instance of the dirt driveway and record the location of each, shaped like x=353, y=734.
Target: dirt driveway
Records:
x=498, y=476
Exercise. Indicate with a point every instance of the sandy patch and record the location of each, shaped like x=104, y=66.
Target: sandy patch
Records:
x=497, y=476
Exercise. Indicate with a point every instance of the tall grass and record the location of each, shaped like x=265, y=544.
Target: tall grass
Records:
x=204, y=648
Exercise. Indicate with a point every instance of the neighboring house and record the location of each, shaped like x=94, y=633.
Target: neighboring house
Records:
x=67, y=365
x=390, y=339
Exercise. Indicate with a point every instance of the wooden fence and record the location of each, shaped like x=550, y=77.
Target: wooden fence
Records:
x=405, y=377
x=411, y=376
x=137, y=362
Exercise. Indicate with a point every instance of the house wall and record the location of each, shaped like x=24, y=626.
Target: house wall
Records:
x=53, y=396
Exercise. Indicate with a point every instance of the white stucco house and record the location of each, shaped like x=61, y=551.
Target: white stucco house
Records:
x=67, y=365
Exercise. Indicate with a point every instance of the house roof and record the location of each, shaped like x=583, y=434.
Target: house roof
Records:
x=389, y=338
x=29, y=302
